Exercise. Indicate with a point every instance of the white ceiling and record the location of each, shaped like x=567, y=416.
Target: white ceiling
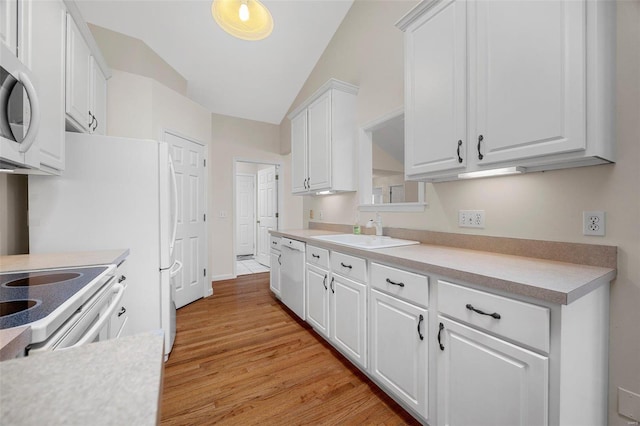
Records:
x=256, y=80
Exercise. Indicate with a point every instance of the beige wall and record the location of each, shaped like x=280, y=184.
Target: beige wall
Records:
x=239, y=139
x=14, y=237
x=130, y=54
x=367, y=51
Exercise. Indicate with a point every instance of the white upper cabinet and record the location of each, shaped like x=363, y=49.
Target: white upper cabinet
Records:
x=299, y=153
x=527, y=61
x=435, y=90
x=42, y=47
x=493, y=84
x=97, y=99
x=319, y=132
x=77, y=77
x=86, y=77
x=9, y=24
x=323, y=140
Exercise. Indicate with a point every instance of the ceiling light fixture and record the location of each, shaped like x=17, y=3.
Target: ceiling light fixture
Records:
x=493, y=172
x=244, y=19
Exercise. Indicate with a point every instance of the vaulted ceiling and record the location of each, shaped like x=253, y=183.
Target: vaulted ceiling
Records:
x=256, y=80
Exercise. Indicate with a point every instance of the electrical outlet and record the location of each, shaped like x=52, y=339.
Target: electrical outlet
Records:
x=593, y=223
x=471, y=218
x=321, y=215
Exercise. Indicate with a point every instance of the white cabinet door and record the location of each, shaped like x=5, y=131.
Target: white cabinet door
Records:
x=435, y=90
x=319, y=144
x=43, y=50
x=299, y=153
x=77, y=99
x=349, y=318
x=485, y=381
x=527, y=72
x=274, y=272
x=318, y=299
x=399, y=349
x=9, y=24
x=98, y=102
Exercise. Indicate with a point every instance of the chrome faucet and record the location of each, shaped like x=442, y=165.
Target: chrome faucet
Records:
x=377, y=224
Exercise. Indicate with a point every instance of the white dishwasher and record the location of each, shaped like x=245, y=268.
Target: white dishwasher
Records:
x=292, y=288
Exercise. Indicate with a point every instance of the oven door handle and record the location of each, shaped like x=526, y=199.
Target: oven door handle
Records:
x=91, y=334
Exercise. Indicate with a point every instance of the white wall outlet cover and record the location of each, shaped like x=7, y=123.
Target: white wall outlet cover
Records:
x=593, y=223
x=471, y=218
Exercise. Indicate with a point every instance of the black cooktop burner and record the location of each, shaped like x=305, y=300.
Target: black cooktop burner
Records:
x=29, y=296
x=15, y=306
x=43, y=279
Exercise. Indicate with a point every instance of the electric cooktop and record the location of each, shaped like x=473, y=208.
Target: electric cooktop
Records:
x=29, y=296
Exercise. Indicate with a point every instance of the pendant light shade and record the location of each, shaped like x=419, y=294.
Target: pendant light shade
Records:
x=245, y=19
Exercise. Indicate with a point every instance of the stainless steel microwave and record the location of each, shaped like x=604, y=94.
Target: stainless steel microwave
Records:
x=19, y=114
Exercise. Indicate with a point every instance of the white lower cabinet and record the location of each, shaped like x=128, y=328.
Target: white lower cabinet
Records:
x=465, y=356
x=486, y=381
x=318, y=299
x=118, y=323
x=337, y=305
x=348, y=318
x=274, y=272
x=398, y=349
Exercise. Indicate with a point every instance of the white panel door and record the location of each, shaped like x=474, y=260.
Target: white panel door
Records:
x=98, y=101
x=267, y=211
x=77, y=76
x=348, y=318
x=319, y=128
x=190, y=248
x=435, y=89
x=9, y=25
x=530, y=88
x=471, y=363
x=245, y=214
x=299, y=153
x=274, y=272
x=42, y=49
x=317, y=283
x=399, y=348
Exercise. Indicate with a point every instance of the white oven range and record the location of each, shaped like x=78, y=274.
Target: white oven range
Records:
x=65, y=307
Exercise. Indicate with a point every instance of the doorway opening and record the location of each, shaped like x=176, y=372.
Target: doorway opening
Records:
x=255, y=214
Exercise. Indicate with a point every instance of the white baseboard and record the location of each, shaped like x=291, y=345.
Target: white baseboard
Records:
x=223, y=277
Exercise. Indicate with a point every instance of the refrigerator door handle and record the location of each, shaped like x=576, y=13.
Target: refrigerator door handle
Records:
x=175, y=269
x=175, y=205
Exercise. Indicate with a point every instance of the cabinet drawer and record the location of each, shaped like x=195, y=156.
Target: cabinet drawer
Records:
x=318, y=257
x=349, y=266
x=405, y=285
x=519, y=321
x=275, y=242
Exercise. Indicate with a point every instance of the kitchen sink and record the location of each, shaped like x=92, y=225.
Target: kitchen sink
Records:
x=367, y=242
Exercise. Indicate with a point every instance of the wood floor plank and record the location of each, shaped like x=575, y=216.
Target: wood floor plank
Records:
x=242, y=358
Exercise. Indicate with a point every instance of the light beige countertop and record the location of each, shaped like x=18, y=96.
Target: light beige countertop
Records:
x=546, y=280
x=26, y=262
x=116, y=382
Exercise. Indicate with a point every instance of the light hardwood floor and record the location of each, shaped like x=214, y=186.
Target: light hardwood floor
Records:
x=241, y=358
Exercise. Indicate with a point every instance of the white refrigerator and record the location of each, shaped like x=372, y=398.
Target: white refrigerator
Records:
x=115, y=193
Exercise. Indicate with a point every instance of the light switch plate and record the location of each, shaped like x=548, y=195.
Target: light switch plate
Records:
x=629, y=404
